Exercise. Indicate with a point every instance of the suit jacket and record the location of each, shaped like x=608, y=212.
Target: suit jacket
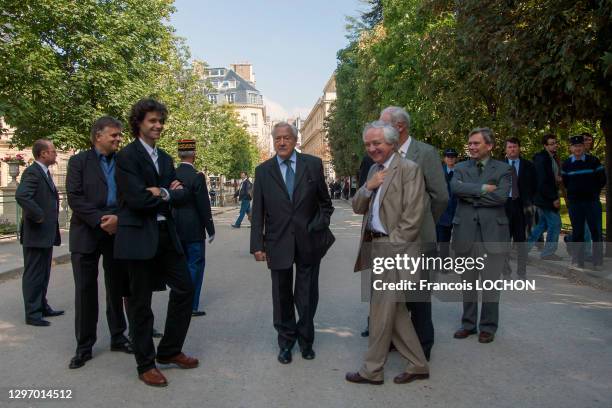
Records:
x=526, y=181
x=87, y=192
x=547, y=190
x=481, y=214
x=364, y=169
x=403, y=207
x=427, y=157
x=38, y=198
x=244, y=193
x=194, y=217
x=446, y=220
x=137, y=235
x=280, y=226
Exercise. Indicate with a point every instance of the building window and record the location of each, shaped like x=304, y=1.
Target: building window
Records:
x=212, y=98
x=254, y=99
x=253, y=119
x=230, y=97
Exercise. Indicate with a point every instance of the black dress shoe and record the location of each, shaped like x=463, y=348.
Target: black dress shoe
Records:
x=38, y=322
x=284, y=356
x=79, y=360
x=308, y=354
x=124, y=347
x=52, y=313
x=405, y=378
x=196, y=313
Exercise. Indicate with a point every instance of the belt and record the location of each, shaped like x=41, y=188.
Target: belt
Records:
x=369, y=235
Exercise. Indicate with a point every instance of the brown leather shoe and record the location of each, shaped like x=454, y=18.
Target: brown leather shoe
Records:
x=485, y=337
x=405, y=378
x=180, y=360
x=358, y=379
x=463, y=333
x=154, y=378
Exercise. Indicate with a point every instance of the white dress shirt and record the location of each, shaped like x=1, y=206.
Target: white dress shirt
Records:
x=283, y=166
x=403, y=149
x=152, y=151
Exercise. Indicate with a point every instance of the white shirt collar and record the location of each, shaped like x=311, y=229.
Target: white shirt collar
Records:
x=149, y=149
x=45, y=168
x=388, y=162
x=404, y=147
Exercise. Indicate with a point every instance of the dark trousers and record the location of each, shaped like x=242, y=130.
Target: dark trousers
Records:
x=35, y=280
x=420, y=313
x=245, y=207
x=195, y=254
x=85, y=271
x=517, y=224
x=589, y=211
x=443, y=235
x=304, y=298
x=173, y=268
x=489, y=311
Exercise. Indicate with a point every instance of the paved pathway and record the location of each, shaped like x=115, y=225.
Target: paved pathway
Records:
x=553, y=349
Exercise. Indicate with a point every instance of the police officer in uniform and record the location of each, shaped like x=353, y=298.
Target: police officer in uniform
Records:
x=584, y=177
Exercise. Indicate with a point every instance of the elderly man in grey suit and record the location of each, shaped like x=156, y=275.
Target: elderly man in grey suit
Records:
x=393, y=204
x=480, y=227
x=428, y=159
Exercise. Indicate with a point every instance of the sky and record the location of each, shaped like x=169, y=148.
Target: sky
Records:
x=292, y=44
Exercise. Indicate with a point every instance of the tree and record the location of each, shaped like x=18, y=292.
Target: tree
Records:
x=66, y=62
x=550, y=59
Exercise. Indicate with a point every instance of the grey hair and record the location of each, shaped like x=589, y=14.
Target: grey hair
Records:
x=389, y=132
x=398, y=114
x=487, y=134
x=183, y=155
x=294, y=130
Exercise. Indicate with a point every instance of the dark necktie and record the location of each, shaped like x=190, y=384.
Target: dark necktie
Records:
x=51, y=180
x=289, y=178
x=379, y=167
x=480, y=166
x=515, y=187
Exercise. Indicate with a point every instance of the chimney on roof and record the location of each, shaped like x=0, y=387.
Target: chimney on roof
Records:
x=245, y=70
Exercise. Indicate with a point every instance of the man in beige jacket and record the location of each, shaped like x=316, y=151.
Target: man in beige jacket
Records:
x=393, y=204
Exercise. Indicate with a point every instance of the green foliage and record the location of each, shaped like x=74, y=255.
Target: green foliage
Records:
x=67, y=62
x=523, y=68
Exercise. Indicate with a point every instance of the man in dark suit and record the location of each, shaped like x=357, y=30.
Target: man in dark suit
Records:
x=291, y=205
x=92, y=196
x=148, y=243
x=243, y=194
x=519, y=200
x=39, y=232
x=444, y=227
x=193, y=218
x=546, y=198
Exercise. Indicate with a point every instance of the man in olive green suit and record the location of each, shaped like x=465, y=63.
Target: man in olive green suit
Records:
x=480, y=227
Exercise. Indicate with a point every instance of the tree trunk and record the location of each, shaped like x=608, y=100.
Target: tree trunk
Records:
x=606, y=126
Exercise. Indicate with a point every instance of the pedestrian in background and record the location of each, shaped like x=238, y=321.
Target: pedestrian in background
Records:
x=193, y=219
x=444, y=227
x=546, y=199
x=244, y=196
x=38, y=232
x=584, y=177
